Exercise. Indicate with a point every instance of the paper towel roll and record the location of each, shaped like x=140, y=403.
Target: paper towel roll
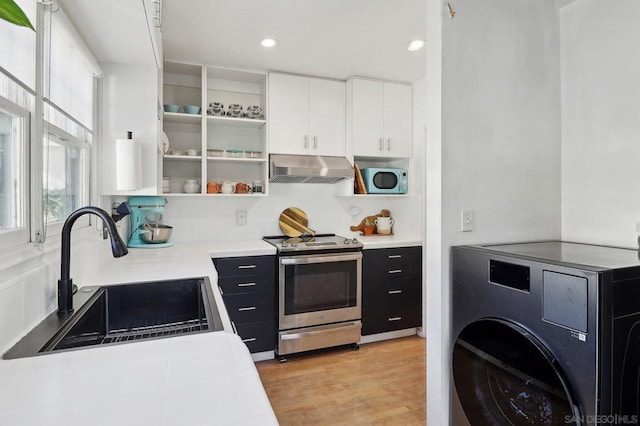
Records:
x=128, y=164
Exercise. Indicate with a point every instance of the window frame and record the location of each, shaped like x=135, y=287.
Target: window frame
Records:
x=21, y=235
x=55, y=228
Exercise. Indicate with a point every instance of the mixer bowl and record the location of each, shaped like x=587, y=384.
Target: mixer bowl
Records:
x=156, y=234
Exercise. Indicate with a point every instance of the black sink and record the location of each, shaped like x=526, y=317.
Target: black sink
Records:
x=126, y=313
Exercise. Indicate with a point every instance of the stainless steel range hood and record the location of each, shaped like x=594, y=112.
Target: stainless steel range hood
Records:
x=308, y=169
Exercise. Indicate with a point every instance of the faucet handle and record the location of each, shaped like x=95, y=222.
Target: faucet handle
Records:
x=120, y=211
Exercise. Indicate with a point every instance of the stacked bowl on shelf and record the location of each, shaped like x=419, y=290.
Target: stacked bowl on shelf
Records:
x=217, y=109
x=188, y=109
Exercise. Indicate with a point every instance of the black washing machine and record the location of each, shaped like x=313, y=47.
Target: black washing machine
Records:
x=545, y=333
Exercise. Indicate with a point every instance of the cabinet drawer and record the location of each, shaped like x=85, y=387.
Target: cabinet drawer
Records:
x=243, y=266
x=397, y=262
x=244, y=308
x=389, y=318
x=392, y=292
x=258, y=336
x=248, y=284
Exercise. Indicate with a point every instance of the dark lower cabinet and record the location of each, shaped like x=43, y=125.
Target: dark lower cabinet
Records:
x=248, y=287
x=259, y=336
x=391, y=289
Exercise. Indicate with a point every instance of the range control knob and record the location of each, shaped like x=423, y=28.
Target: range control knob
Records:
x=284, y=244
x=294, y=245
x=354, y=241
x=347, y=241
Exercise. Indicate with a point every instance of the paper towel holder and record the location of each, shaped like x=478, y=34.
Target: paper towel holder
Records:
x=128, y=158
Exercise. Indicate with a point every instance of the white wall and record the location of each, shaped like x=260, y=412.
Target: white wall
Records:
x=600, y=121
x=130, y=97
x=499, y=148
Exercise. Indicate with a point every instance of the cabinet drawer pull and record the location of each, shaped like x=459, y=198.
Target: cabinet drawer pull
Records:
x=246, y=266
x=306, y=141
x=395, y=271
x=221, y=292
x=248, y=308
x=233, y=325
x=246, y=284
x=395, y=318
x=394, y=256
x=380, y=146
x=395, y=291
x=315, y=142
x=250, y=339
x=388, y=144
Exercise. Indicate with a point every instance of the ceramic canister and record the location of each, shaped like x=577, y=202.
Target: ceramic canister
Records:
x=191, y=186
x=383, y=225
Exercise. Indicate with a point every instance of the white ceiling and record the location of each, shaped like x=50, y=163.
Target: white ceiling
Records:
x=329, y=38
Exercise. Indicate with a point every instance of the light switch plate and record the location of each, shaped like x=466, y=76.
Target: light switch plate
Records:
x=466, y=217
x=241, y=217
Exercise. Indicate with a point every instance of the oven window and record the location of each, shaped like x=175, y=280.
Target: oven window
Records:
x=320, y=286
x=385, y=180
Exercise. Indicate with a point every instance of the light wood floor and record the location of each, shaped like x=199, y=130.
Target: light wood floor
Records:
x=383, y=383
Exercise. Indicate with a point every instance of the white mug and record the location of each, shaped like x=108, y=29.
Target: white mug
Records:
x=228, y=187
x=383, y=225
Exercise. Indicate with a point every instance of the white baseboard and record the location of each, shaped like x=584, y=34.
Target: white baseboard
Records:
x=388, y=335
x=263, y=356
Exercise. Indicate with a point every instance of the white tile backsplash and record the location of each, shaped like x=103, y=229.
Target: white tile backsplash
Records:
x=28, y=288
x=203, y=219
x=11, y=312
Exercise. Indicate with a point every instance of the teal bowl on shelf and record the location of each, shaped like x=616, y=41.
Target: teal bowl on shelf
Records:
x=191, y=109
x=171, y=108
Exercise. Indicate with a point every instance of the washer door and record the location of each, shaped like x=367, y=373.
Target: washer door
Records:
x=504, y=376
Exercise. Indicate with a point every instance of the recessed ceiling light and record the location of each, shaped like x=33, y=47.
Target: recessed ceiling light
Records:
x=268, y=42
x=415, y=45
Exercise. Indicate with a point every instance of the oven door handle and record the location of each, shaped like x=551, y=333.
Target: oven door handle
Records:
x=303, y=260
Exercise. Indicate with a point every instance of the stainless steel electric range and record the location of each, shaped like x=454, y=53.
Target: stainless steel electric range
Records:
x=319, y=292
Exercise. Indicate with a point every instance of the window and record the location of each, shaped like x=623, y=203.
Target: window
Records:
x=46, y=124
x=65, y=182
x=14, y=137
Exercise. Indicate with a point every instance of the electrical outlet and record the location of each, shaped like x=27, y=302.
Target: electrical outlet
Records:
x=241, y=217
x=466, y=217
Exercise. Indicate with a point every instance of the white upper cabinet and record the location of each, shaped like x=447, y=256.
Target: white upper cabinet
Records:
x=380, y=114
x=306, y=115
x=327, y=100
x=288, y=114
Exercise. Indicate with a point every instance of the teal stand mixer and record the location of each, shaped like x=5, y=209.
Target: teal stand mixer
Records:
x=147, y=230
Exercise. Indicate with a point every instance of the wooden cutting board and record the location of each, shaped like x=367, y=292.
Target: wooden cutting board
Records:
x=293, y=222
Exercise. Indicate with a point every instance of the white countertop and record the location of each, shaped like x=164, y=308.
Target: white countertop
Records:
x=388, y=241
x=199, y=379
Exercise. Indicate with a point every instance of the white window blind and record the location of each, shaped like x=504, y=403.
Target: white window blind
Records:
x=69, y=68
x=18, y=46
